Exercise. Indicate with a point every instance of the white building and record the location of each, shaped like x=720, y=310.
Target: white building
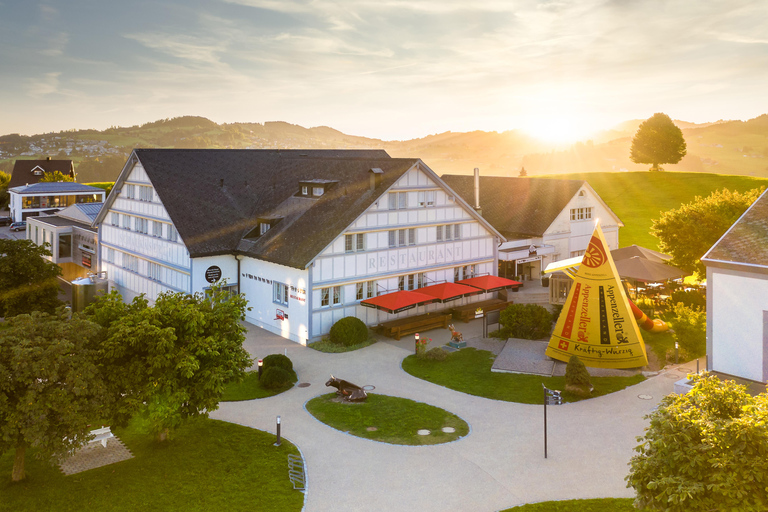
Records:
x=543, y=220
x=71, y=238
x=737, y=297
x=304, y=235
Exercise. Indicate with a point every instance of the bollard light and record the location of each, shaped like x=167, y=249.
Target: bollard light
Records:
x=416, y=341
x=676, y=347
x=261, y=365
x=277, y=443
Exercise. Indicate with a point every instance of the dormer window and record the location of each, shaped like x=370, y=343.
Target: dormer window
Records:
x=317, y=191
x=263, y=227
x=314, y=188
x=304, y=190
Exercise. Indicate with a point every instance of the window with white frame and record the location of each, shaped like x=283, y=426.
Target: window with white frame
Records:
x=304, y=190
x=145, y=193
x=360, y=242
x=393, y=238
x=263, y=227
x=337, y=298
x=172, y=234
x=141, y=225
x=398, y=200
x=115, y=219
x=411, y=281
x=110, y=255
x=412, y=236
x=581, y=213
x=359, y=291
x=354, y=243
x=456, y=274
x=325, y=297
x=426, y=199
x=153, y=271
x=401, y=283
x=448, y=232
x=157, y=229
x=279, y=293
x=126, y=222
x=331, y=296
x=401, y=237
x=317, y=191
x=370, y=289
x=439, y=233
x=576, y=253
x=130, y=262
x=130, y=191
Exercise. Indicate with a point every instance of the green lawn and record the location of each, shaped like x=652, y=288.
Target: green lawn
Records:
x=396, y=420
x=595, y=505
x=249, y=389
x=329, y=347
x=209, y=466
x=638, y=197
x=469, y=371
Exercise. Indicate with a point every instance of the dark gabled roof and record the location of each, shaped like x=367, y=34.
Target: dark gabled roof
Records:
x=56, y=187
x=22, y=170
x=517, y=207
x=746, y=241
x=212, y=216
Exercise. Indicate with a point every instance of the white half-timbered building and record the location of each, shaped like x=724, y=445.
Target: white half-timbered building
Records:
x=304, y=235
x=543, y=220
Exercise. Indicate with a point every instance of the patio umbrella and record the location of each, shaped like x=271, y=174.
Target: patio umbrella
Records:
x=445, y=292
x=649, y=271
x=642, y=252
x=490, y=283
x=396, y=302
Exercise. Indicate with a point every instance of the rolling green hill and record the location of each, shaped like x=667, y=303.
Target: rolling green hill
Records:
x=639, y=197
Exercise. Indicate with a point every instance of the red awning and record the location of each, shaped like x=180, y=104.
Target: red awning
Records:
x=445, y=292
x=396, y=302
x=490, y=283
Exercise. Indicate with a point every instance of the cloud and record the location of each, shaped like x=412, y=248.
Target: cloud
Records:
x=48, y=84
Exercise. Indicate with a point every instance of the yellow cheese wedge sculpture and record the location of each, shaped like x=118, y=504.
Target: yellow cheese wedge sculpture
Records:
x=596, y=322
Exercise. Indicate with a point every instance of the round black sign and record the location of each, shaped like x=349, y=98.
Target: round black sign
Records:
x=212, y=274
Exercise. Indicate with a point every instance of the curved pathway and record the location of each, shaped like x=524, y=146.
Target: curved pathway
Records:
x=500, y=464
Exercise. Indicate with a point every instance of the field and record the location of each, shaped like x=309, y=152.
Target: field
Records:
x=639, y=197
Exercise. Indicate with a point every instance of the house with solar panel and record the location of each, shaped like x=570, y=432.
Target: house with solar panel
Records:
x=71, y=238
x=305, y=235
x=543, y=220
x=737, y=297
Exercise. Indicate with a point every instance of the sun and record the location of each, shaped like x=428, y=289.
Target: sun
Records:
x=556, y=129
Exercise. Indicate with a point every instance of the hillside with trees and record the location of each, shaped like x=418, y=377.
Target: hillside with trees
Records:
x=725, y=147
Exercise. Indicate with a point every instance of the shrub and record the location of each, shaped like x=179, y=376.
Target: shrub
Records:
x=577, y=377
x=278, y=361
x=275, y=377
x=528, y=321
x=690, y=298
x=435, y=354
x=690, y=326
x=348, y=331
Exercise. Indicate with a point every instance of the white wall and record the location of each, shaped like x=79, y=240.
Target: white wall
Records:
x=226, y=263
x=257, y=278
x=735, y=318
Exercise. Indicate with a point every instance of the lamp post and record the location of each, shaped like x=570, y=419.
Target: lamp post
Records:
x=261, y=365
x=416, y=348
x=676, y=347
x=277, y=443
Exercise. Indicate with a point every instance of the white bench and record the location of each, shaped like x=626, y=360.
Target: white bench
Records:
x=101, y=435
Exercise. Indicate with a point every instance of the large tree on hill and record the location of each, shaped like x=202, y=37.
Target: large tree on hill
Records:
x=55, y=176
x=5, y=197
x=175, y=356
x=687, y=233
x=50, y=385
x=28, y=282
x=657, y=141
x=703, y=451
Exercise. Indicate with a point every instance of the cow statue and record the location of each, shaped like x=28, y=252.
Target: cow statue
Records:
x=455, y=335
x=346, y=390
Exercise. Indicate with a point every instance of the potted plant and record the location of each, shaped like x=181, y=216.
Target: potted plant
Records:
x=544, y=280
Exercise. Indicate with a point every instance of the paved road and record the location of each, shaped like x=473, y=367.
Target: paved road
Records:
x=500, y=464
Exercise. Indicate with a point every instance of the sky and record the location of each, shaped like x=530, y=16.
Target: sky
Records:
x=388, y=69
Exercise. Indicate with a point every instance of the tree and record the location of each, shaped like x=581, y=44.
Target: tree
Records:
x=50, y=385
x=657, y=141
x=703, y=451
x=28, y=282
x=690, y=330
x=523, y=173
x=5, y=197
x=175, y=356
x=527, y=321
x=688, y=232
x=55, y=176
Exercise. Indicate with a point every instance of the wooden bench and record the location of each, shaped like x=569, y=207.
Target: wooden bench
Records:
x=397, y=328
x=101, y=436
x=467, y=312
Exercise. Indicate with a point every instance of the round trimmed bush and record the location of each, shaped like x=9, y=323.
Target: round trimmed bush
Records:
x=527, y=321
x=436, y=354
x=275, y=377
x=348, y=331
x=278, y=361
x=577, y=378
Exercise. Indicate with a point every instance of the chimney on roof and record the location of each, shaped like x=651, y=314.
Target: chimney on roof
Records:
x=477, y=192
x=47, y=158
x=221, y=183
x=376, y=175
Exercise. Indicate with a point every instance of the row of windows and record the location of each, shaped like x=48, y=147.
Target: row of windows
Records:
x=403, y=237
x=141, y=225
x=581, y=213
x=140, y=192
x=399, y=200
x=448, y=232
x=155, y=271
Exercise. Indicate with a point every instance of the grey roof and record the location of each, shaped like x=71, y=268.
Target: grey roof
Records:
x=90, y=210
x=23, y=174
x=517, y=207
x=56, y=187
x=746, y=241
x=215, y=197
x=55, y=220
